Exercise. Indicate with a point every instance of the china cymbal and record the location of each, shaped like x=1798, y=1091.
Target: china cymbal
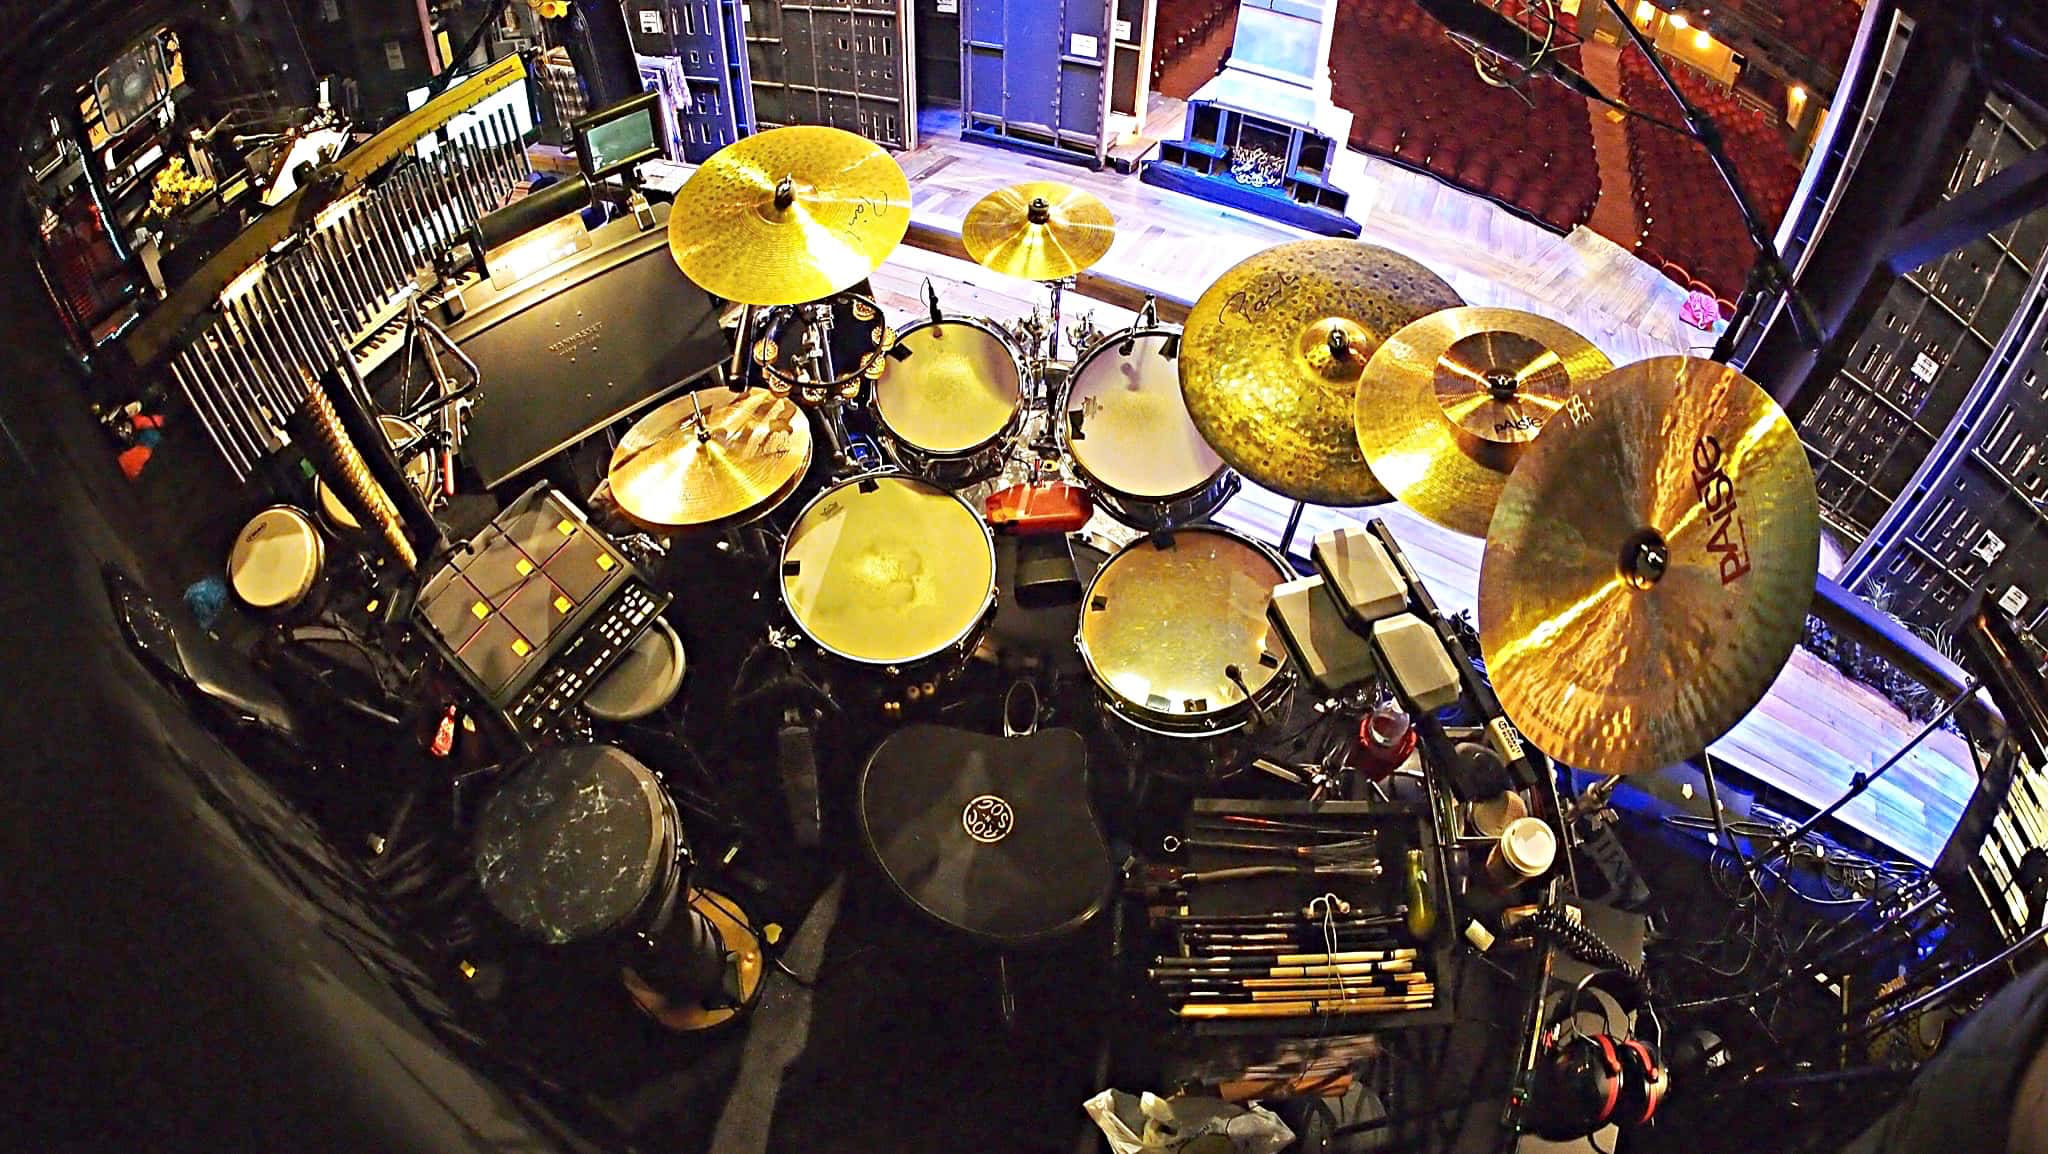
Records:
x=711, y=458
x=1449, y=402
x=789, y=215
x=1272, y=355
x=1649, y=566
x=1038, y=230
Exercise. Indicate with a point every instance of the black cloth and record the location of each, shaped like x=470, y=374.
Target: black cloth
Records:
x=1961, y=1102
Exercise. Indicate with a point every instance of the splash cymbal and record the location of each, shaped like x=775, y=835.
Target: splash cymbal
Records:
x=1650, y=565
x=1273, y=352
x=1449, y=402
x=1038, y=230
x=711, y=458
x=789, y=215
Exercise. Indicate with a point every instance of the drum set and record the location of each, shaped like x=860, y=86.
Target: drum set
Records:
x=1331, y=372
x=885, y=571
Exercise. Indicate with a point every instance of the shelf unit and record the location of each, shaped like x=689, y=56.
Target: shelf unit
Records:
x=1929, y=443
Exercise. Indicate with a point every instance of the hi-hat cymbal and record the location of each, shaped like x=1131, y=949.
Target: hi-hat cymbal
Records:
x=1650, y=565
x=1038, y=230
x=1449, y=402
x=789, y=215
x=1273, y=352
x=711, y=458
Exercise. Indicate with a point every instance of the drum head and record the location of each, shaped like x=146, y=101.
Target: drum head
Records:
x=887, y=569
x=276, y=559
x=419, y=473
x=575, y=843
x=1127, y=426
x=1168, y=615
x=948, y=387
x=643, y=681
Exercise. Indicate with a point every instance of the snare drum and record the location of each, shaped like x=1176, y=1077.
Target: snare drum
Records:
x=1171, y=625
x=275, y=565
x=892, y=573
x=948, y=400
x=1130, y=437
x=419, y=473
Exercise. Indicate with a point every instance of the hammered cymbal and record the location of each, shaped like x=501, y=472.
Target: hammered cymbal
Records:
x=673, y=472
x=789, y=215
x=1650, y=565
x=1038, y=230
x=1273, y=352
x=1448, y=404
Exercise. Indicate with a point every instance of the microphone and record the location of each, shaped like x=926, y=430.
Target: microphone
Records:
x=1474, y=22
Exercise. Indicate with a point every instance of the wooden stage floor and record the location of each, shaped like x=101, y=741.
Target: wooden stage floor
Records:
x=1809, y=735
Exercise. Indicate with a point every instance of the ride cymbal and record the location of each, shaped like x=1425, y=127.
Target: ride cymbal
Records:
x=1650, y=565
x=788, y=216
x=1038, y=230
x=1448, y=404
x=1272, y=355
x=711, y=458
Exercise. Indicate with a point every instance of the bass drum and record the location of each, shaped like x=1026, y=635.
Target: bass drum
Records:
x=949, y=399
x=1175, y=635
x=893, y=575
x=1128, y=432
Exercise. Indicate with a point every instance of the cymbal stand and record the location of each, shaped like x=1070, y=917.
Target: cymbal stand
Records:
x=817, y=361
x=1293, y=526
x=446, y=403
x=1052, y=347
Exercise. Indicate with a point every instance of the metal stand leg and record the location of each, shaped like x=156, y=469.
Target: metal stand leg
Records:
x=1293, y=526
x=1860, y=783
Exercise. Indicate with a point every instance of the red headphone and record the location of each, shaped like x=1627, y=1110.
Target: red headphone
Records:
x=1585, y=1081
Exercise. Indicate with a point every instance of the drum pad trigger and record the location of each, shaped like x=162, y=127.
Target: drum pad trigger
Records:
x=1074, y=418
x=1170, y=350
x=868, y=484
x=792, y=568
x=900, y=351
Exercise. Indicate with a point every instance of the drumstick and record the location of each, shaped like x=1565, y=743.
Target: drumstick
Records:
x=1340, y=993
x=1172, y=982
x=1304, y=1008
x=1226, y=971
x=1301, y=959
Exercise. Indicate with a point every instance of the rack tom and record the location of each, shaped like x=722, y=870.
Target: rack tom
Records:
x=1175, y=635
x=1128, y=432
x=949, y=399
x=276, y=564
x=892, y=574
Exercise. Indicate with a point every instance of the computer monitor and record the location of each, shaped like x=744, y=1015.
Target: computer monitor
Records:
x=612, y=140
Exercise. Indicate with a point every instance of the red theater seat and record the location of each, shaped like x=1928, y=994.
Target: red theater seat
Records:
x=1416, y=99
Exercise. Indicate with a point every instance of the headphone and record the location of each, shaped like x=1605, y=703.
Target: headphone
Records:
x=1586, y=1081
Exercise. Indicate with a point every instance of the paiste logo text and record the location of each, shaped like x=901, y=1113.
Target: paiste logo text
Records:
x=1729, y=541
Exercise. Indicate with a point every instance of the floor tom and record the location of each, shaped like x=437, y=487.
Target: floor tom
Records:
x=1174, y=633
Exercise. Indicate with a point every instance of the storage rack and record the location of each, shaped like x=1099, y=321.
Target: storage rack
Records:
x=1927, y=446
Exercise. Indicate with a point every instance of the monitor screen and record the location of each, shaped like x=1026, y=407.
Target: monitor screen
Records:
x=619, y=137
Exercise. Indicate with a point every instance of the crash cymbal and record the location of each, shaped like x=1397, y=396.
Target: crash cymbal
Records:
x=1449, y=402
x=1649, y=566
x=710, y=458
x=1038, y=230
x=1273, y=352
x=789, y=215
